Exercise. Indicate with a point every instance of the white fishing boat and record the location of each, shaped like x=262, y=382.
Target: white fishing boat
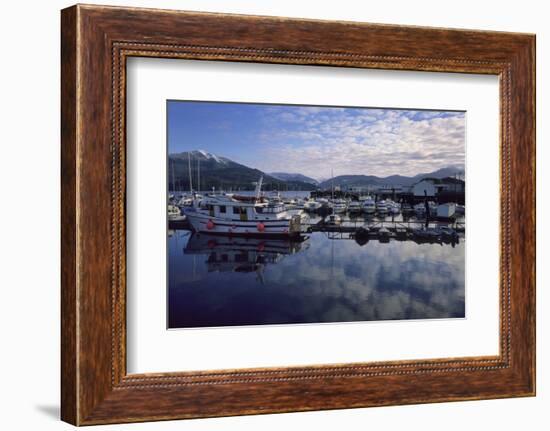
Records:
x=174, y=213
x=274, y=198
x=338, y=205
x=299, y=203
x=312, y=205
x=355, y=207
x=185, y=201
x=369, y=206
x=381, y=207
x=229, y=214
x=323, y=201
x=393, y=207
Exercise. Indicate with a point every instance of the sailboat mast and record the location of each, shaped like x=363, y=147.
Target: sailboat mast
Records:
x=173, y=180
x=198, y=174
x=259, y=187
x=189, y=168
x=332, y=176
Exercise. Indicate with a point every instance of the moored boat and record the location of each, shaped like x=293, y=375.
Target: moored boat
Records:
x=338, y=205
x=369, y=206
x=381, y=207
x=230, y=214
x=174, y=213
x=355, y=207
x=312, y=205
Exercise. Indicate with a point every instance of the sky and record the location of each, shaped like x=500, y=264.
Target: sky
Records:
x=316, y=141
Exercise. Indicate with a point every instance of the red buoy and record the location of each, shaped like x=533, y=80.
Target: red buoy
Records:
x=210, y=225
x=260, y=226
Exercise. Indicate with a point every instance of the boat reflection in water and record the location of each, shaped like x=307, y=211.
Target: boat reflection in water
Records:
x=326, y=277
x=242, y=254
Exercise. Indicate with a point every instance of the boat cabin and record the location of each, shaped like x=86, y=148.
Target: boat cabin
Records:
x=243, y=211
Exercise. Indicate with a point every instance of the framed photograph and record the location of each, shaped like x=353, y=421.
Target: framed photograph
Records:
x=264, y=215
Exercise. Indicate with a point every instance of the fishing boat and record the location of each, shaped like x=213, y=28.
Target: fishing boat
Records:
x=393, y=207
x=312, y=205
x=185, y=201
x=355, y=207
x=369, y=206
x=338, y=205
x=381, y=207
x=230, y=214
x=174, y=213
x=296, y=203
x=274, y=198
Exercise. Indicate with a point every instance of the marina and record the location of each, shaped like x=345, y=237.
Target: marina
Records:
x=335, y=267
x=257, y=215
x=271, y=228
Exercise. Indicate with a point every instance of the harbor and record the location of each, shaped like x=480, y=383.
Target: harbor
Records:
x=294, y=214
x=363, y=230
x=283, y=214
x=383, y=260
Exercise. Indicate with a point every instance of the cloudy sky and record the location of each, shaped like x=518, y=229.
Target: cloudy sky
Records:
x=315, y=140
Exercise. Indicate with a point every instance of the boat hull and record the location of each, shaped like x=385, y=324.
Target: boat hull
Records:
x=258, y=229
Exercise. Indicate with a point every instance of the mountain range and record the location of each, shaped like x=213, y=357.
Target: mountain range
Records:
x=225, y=174
x=283, y=176
x=346, y=181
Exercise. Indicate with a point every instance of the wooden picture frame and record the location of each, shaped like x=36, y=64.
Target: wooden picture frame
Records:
x=95, y=43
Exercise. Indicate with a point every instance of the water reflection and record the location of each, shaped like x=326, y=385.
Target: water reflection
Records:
x=222, y=281
x=226, y=254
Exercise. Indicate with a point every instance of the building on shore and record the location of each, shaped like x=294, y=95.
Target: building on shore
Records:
x=432, y=187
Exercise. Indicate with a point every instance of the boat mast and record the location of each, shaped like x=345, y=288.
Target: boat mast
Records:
x=189, y=168
x=173, y=180
x=259, y=187
x=198, y=175
x=332, y=176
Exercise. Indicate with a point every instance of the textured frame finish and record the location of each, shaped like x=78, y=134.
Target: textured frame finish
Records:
x=95, y=42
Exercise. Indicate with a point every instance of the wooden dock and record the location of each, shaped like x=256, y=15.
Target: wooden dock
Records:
x=364, y=230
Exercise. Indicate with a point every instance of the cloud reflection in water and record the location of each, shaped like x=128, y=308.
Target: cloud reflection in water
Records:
x=224, y=282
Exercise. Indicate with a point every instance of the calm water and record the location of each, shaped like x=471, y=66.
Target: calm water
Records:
x=219, y=281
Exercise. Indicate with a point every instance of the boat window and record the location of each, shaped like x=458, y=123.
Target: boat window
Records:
x=222, y=208
x=235, y=210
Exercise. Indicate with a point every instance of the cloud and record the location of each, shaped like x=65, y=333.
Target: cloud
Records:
x=312, y=140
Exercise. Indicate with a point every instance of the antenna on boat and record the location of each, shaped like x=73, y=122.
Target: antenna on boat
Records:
x=259, y=187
